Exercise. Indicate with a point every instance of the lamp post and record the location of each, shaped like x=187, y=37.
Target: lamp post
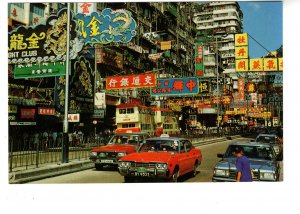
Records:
x=217, y=72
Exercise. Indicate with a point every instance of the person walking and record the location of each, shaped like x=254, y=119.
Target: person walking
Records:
x=242, y=166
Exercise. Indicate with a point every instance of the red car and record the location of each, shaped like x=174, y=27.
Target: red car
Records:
x=118, y=146
x=162, y=157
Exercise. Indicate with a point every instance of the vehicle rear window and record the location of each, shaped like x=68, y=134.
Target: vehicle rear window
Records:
x=160, y=146
x=253, y=152
x=125, y=139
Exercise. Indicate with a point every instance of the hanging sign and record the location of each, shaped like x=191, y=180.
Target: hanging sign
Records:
x=27, y=113
x=46, y=111
x=73, y=118
x=199, y=59
x=176, y=86
x=107, y=26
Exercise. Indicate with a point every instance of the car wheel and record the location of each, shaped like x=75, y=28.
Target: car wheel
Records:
x=98, y=166
x=195, y=170
x=175, y=175
x=128, y=179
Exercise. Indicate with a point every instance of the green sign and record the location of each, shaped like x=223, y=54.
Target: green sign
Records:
x=199, y=59
x=44, y=69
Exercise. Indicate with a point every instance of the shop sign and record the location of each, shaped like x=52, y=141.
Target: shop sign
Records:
x=280, y=64
x=204, y=86
x=45, y=69
x=241, y=39
x=199, y=59
x=132, y=81
x=270, y=64
x=22, y=123
x=44, y=42
x=241, y=91
x=241, y=52
x=100, y=100
x=251, y=87
x=256, y=64
x=241, y=65
x=12, y=109
x=11, y=117
x=86, y=8
x=27, y=113
x=46, y=111
x=106, y=26
x=73, y=118
x=99, y=113
x=176, y=86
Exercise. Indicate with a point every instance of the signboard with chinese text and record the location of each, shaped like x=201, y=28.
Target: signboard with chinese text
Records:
x=204, y=86
x=46, y=111
x=107, y=26
x=27, y=113
x=256, y=64
x=241, y=65
x=86, y=8
x=99, y=100
x=241, y=89
x=12, y=109
x=270, y=64
x=241, y=52
x=251, y=87
x=132, y=81
x=280, y=64
x=199, y=59
x=45, y=69
x=166, y=45
x=73, y=118
x=241, y=39
x=176, y=86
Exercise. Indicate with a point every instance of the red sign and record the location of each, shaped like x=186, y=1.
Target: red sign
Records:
x=251, y=87
x=27, y=113
x=132, y=81
x=46, y=111
x=241, y=85
x=73, y=118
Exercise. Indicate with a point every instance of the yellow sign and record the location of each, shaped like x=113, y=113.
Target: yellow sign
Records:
x=241, y=65
x=256, y=64
x=12, y=109
x=241, y=52
x=241, y=39
x=220, y=118
x=270, y=64
x=280, y=64
x=165, y=45
x=267, y=114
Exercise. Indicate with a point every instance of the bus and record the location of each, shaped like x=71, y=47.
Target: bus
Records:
x=166, y=121
x=133, y=117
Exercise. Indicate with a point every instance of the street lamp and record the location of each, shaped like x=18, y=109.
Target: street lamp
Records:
x=95, y=123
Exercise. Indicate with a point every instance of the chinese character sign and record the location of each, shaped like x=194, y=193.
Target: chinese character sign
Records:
x=270, y=64
x=204, y=86
x=241, y=52
x=256, y=64
x=280, y=64
x=176, y=86
x=241, y=91
x=251, y=87
x=241, y=65
x=241, y=39
x=86, y=8
x=199, y=59
x=107, y=26
x=132, y=81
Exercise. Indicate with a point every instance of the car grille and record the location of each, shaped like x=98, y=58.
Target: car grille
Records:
x=255, y=174
x=145, y=165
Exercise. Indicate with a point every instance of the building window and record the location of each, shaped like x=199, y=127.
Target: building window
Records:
x=37, y=9
x=21, y=5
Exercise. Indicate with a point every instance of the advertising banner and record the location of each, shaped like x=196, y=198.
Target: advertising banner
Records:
x=132, y=81
x=199, y=59
x=176, y=87
x=106, y=26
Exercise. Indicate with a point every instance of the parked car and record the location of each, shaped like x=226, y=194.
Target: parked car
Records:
x=119, y=145
x=273, y=140
x=263, y=162
x=162, y=158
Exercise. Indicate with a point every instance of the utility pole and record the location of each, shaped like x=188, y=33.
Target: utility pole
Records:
x=217, y=70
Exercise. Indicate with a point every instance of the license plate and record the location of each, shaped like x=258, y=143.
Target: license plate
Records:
x=142, y=174
x=106, y=161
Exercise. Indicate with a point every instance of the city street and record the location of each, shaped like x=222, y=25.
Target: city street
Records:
x=111, y=175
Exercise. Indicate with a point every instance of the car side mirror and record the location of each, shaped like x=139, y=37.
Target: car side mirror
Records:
x=220, y=155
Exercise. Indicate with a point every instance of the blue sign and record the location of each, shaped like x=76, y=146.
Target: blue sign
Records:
x=176, y=87
x=107, y=26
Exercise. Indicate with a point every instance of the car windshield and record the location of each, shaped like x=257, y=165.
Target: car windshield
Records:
x=125, y=139
x=265, y=139
x=253, y=152
x=159, y=146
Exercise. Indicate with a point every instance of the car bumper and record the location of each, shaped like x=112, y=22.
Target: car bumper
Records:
x=148, y=173
x=222, y=179
x=110, y=161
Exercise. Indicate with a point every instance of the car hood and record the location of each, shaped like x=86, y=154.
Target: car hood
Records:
x=146, y=157
x=261, y=165
x=113, y=148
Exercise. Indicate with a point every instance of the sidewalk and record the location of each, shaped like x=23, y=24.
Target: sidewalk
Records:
x=23, y=175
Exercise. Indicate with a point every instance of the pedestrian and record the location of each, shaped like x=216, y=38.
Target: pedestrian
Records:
x=242, y=166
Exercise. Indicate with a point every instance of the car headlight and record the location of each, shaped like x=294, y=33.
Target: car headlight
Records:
x=92, y=154
x=221, y=172
x=121, y=154
x=161, y=166
x=267, y=176
x=124, y=164
x=102, y=154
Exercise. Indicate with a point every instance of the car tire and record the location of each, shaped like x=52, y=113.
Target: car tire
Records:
x=175, y=175
x=194, y=173
x=98, y=166
x=128, y=179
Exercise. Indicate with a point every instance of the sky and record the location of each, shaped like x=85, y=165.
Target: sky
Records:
x=264, y=22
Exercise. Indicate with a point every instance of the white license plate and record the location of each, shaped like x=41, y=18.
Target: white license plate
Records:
x=106, y=161
x=142, y=174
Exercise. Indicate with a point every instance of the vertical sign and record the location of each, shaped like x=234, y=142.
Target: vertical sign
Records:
x=256, y=64
x=241, y=84
x=241, y=52
x=270, y=64
x=199, y=59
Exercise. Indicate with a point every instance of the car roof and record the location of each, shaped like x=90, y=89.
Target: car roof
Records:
x=267, y=135
x=249, y=144
x=129, y=134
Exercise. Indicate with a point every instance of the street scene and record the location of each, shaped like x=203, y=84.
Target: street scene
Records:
x=145, y=92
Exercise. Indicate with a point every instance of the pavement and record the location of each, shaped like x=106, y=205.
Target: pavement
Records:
x=23, y=175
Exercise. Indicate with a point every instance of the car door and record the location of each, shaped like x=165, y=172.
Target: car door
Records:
x=183, y=158
x=191, y=155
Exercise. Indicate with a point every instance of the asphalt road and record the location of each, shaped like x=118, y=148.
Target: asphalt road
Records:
x=111, y=175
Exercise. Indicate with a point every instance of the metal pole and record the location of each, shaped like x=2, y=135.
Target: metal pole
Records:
x=65, y=147
x=217, y=65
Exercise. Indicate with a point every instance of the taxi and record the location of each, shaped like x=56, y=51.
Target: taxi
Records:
x=162, y=157
x=118, y=146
